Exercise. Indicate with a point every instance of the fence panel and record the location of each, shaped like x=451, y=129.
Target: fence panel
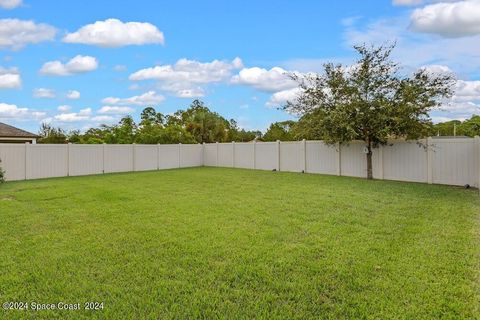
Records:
x=405, y=161
x=210, y=156
x=266, y=156
x=454, y=162
x=353, y=161
x=169, y=156
x=291, y=156
x=225, y=154
x=191, y=155
x=244, y=155
x=85, y=159
x=321, y=158
x=146, y=157
x=46, y=161
x=118, y=158
x=13, y=160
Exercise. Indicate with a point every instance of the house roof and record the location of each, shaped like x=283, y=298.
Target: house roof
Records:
x=7, y=131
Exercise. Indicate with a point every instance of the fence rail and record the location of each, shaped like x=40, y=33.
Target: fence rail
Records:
x=439, y=161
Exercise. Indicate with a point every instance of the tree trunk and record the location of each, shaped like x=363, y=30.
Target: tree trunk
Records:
x=369, y=163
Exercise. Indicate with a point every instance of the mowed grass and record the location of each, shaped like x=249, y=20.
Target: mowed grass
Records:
x=231, y=243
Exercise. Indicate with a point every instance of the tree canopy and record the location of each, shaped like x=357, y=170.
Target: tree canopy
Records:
x=368, y=101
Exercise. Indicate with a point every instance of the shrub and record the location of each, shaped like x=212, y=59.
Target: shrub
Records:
x=2, y=173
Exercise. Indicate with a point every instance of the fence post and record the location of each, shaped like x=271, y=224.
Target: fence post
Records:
x=103, y=157
x=158, y=156
x=477, y=143
x=203, y=154
x=27, y=156
x=429, y=161
x=68, y=158
x=134, y=147
x=339, y=159
x=179, y=154
x=216, y=160
x=278, y=155
x=304, y=145
x=254, y=154
x=233, y=154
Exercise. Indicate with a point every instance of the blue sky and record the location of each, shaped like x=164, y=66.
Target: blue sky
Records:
x=78, y=64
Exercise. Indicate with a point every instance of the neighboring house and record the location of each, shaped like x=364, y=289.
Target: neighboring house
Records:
x=9, y=134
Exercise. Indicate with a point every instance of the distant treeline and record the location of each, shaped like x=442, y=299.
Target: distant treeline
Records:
x=199, y=124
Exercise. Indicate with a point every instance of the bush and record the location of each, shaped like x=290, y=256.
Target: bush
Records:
x=2, y=173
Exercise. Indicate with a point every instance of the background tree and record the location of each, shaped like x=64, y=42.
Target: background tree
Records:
x=50, y=134
x=283, y=131
x=369, y=101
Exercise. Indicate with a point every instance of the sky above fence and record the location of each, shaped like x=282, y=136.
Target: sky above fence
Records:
x=78, y=64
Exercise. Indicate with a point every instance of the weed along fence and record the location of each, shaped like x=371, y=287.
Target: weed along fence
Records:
x=439, y=161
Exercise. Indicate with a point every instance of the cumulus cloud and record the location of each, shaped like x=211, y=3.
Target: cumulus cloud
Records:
x=13, y=111
x=450, y=20
x=190, y=71
x=10, y=79
x=73, y=95
x=64, y=108
x=466, y=91
x=275, y=79
x=115, y=33
x=78, y=64
x=280, y=98
x=10, y=4
x=16, y=34
x=82, y=115
x=43, y=93
x=148, y=98
x=115, y=110
x=184, y=77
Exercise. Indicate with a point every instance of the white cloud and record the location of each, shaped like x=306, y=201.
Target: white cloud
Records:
x=78, y=64
x=407, y=2
x=104, y=119
x=73, y=95
x=280, y=98
x=64, y=108
x=437, y=69
x=190, y=93
x=16, y=34
x=115, y=33
x=115, y=110
x=10, y=4
x=189, y=71
x=120, y=68
x=82, y=115
x=466, y=91
x=13, y=111
x=43, y=93
x=148, y=98
x=184, y=77
x=10, y=79
x=455, y=19
x=275, y=79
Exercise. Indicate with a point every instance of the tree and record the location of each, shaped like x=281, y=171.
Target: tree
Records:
x=50, y=134
x=369, y=100
x=280, y=131
x=2, y=173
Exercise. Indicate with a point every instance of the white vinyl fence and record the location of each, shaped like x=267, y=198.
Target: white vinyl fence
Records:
x=34, y=161
x=439, y=161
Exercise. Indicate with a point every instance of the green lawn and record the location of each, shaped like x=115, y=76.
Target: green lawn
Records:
x=231, y=243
